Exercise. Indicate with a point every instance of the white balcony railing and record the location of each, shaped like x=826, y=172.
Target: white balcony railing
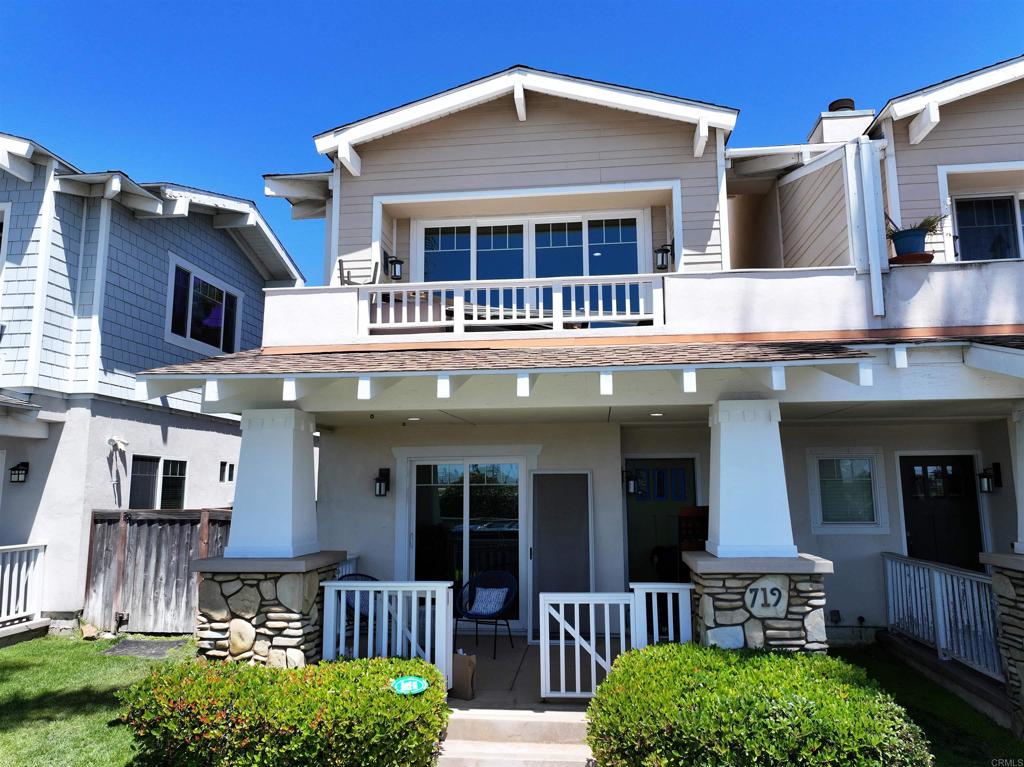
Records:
x=950, y=609
x=21, y=583
x=555, y=303
x=382, y=619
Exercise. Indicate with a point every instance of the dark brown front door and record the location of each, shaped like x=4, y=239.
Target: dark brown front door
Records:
x=940, y=508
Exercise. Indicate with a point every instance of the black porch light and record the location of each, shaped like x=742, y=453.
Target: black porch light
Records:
x=629, y=480
x=395, y=269
x=382, y=482
x=991, y=478
x=19, y=472
x=662, y=257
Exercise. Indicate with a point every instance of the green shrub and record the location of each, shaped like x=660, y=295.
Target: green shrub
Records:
x=704, y=707
x=329, y=715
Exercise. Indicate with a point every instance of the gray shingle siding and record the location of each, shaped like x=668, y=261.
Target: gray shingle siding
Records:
x=136, y=291
x=17, y=291
x=85, y=288
x=59, y=314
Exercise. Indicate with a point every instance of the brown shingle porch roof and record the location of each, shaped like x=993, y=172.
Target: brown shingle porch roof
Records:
x=509, y=358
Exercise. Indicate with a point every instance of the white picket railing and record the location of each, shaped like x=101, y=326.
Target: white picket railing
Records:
x=948, y=608
x=381, y=619
x=21, y=583
x=662, y=613
x=549, y=302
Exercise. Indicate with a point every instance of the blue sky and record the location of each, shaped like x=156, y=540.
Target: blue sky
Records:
x=215, y=94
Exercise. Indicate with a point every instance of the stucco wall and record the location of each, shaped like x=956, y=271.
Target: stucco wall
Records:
x=73, y=472
x=351, y=518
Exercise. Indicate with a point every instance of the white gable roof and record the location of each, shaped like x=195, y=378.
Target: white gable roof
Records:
x=924, y=104
x=516, y=81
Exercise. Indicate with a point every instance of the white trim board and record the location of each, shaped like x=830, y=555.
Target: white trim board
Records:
x=948, y=225
x=379, y=201
x=187, y=342
x=342, y=140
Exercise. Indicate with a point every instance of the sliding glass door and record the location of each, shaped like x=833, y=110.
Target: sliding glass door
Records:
x=468, y=520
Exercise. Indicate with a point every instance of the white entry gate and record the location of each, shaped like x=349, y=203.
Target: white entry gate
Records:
x=582, y=633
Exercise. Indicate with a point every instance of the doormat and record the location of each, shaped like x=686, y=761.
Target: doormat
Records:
x=154, y=649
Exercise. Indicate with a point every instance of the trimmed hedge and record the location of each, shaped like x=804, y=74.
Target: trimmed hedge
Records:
x=698, y=706
x=329, y=715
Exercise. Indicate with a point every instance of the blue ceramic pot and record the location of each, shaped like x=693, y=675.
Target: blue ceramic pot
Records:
x=909, y=241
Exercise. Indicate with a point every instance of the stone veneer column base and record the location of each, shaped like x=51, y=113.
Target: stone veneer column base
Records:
x=774, y=603
x=263, y=611
x=1008, y=588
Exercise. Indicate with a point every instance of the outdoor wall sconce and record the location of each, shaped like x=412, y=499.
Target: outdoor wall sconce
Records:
x=382, y=483
x=19, y=472
x=662, y=257
x=991, y=478
x=395, y=269
x=630, y=482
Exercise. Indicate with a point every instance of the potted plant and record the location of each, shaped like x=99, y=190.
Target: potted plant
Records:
x=908, y=241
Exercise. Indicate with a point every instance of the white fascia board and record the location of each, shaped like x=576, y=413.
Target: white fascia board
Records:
x=673, y=185
x=519, y=96
x=18, y=167
x=735, y=153
x=995, y=359
x=458, y=376
x=234, y=220
x=968, y=85
x=505, y=83
x=298, y=188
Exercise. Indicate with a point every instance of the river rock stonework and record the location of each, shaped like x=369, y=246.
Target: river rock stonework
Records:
x=262, y=618
x=759, y=603
x=1008, y=588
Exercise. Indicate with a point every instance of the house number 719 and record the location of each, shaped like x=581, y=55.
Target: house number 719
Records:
x=766, y=594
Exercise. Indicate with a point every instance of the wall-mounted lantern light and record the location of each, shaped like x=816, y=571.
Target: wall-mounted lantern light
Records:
x=662, y=257
x=382, y=483
x=629, y=480
x=991, y=478
x=395, y=269
x=19, y=472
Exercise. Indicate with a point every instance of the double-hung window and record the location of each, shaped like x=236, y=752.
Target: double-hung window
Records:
x=157, y=483
x=847, y=491
x=203, y=312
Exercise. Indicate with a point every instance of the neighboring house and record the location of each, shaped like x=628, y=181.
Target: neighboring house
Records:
x=102, y=277
x=563, y=316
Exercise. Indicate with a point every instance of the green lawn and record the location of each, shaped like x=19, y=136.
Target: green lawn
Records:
x=57, y=707
x=960, y=736
x=57, y=703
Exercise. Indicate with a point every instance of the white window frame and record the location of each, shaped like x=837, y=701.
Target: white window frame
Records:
x=529, y=223
x=229, y=473
x=159, y=477
x=947, y=208
x=187, y=342
x=818, y=525
x=1015, y=195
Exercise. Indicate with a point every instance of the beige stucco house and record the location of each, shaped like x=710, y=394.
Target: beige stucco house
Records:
x=571, y=333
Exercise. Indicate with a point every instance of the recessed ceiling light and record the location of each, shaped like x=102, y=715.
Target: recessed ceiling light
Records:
x=657, y=415
x=413, y=418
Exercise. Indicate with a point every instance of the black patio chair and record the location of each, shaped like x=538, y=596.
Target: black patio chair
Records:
x=486, y=599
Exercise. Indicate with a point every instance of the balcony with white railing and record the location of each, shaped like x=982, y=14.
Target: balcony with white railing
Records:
x=821, y=299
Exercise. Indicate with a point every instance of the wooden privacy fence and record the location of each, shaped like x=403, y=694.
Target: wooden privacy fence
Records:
x=138, y=576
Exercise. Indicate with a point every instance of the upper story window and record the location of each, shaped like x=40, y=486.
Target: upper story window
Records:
x=202, y=311
x=571, y=245
x=988, y=228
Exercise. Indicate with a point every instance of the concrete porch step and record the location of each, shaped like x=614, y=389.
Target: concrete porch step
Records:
x=516, y=726
x=488, y=753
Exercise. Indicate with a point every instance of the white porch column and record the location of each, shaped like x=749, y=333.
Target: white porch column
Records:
x=1016, y=424
x=275, y=508
x=749, y=514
